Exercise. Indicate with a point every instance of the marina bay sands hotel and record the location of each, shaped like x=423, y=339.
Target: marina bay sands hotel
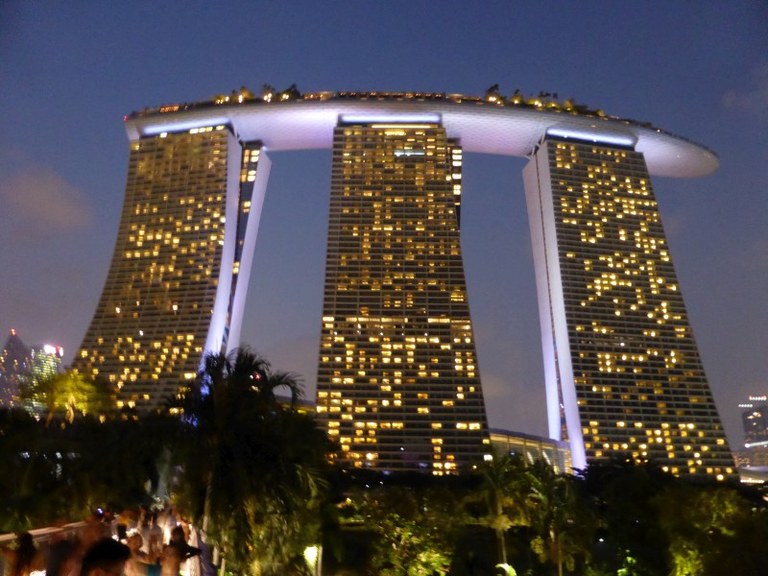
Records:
x=398, y=383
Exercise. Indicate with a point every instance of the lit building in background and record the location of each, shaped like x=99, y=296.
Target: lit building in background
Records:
x=754, y=418
x=753, y=458
x=21, y=364
x=15, y=369
x=623, y=373
x=398, y=385
x=398, y=367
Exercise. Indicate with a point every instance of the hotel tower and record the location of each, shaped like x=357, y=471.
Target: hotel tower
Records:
x=398, y=385
x=622, y=368
x=184, y=239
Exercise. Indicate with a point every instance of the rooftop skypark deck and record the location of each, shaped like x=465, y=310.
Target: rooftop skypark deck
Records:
x=492, y=124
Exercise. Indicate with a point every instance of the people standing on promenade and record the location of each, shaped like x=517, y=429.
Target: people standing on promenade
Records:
x=64, y=551
x=106, y=557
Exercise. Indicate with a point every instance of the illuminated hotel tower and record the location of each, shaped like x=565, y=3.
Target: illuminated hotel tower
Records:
x=623, y=373
x=185, y=236
x=398, y=382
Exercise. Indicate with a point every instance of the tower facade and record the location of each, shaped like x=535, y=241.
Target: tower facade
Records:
x=398, y=381
x=622, y=369
x=172, y=289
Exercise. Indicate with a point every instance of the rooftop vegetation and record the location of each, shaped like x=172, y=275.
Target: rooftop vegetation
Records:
x=546, y=101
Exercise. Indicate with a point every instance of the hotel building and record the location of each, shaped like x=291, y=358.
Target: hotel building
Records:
x=623, y=372
x=172, y=293
x=398, y=382
x=398, y=378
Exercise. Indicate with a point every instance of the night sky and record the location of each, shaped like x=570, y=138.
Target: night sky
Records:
x=70, y=71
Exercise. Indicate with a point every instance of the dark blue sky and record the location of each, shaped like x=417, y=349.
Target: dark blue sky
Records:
x=70, y=71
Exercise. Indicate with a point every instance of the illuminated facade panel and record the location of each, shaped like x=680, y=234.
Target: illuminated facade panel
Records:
x=622, y=368
x=46, y=361
x=170, y=291
x=398, y=382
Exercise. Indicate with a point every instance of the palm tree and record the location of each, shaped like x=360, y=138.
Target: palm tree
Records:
x=252, y=466
x=503, y=491
x=559, y=517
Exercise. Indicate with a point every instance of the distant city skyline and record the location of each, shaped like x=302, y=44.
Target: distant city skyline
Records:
x=69, y=75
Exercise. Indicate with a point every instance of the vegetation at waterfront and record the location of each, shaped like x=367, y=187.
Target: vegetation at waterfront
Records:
x=252, y=470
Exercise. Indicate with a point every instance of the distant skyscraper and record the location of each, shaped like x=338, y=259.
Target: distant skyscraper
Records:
x=171, y=289
x=754, y=417
x=15, y=369
x=398, y=382
x=623, y=372
x=21, y=364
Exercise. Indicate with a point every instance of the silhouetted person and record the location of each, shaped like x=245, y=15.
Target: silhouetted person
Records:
x=61, y=555
x=179, y=541
x=106, y=557
x=177, y=551
x=24, y=558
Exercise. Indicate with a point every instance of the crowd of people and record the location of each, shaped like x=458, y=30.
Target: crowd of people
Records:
x=134, y=543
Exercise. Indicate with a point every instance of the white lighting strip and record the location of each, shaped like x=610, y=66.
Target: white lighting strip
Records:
x=596, y=137
x=388, y=118
x=155, y=129
x=763, y=443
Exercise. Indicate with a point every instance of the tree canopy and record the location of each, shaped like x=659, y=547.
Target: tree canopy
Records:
x=253, y=467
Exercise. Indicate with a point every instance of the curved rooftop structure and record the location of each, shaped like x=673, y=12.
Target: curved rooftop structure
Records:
x=490, y=125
